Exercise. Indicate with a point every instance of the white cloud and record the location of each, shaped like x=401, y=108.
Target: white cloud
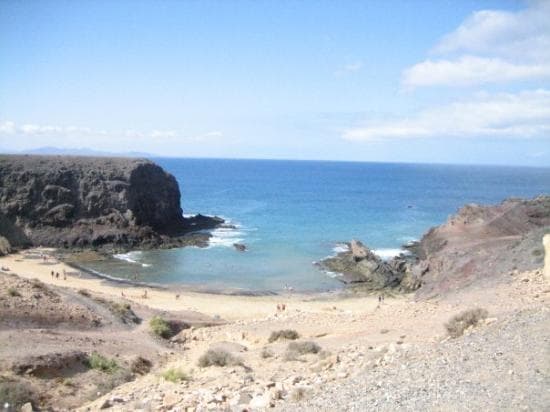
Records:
x=7, y=127
x=469, y=70
x=349, y=68
x=28, y=129
x=521, y=34
x=163, y=133
x=489, y=46
x=525, y=114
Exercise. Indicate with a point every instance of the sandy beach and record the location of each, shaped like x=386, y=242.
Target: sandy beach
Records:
x=29, y=264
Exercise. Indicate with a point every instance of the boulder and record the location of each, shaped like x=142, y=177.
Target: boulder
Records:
x=5, y=247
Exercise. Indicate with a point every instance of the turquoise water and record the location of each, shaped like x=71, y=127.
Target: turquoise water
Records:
x=293, y=213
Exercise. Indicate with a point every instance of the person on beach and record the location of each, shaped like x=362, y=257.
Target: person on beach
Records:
x=57, y=275
x=122, y=293
x=53, y=274
x=144, y=296
x=177, y=297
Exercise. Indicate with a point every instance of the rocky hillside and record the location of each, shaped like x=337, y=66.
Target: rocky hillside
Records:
x=91, y=202
x=478, y=244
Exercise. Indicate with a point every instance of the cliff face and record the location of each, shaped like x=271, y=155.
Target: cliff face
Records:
x=83, y=202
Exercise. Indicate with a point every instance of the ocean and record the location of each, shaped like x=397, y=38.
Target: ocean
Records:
x=291, y=214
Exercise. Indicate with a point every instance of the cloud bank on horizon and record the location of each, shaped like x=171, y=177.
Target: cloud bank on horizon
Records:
x=490, y=46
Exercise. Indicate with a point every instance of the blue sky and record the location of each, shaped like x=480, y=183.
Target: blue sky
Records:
x=400, y=81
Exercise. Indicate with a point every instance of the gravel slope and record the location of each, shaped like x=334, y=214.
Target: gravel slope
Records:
x=504, y=366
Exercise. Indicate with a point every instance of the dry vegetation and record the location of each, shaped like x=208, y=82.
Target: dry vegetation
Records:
x=175, y=375
x=288, y=334
x=218, y=357
x=459, y=323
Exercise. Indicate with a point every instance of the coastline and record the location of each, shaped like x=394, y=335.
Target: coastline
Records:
x=229, y=306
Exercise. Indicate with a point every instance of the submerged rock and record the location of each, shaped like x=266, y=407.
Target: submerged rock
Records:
x=64, y=201
x=239, y=247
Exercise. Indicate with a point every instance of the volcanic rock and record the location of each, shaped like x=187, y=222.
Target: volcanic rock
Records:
x=72, y=202
x=361, y=265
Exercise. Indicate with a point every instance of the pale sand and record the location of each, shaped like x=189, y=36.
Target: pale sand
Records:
x=229, y=307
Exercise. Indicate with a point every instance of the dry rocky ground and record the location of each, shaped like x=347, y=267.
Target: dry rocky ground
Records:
x=352, y=352
x=394, y=357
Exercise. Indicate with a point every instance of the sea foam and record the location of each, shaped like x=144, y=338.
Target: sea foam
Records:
x=132, y=257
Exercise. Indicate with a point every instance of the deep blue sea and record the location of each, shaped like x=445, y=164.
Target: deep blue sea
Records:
x=293, y=213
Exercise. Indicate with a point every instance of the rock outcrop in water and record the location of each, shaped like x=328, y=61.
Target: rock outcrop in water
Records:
x=361, y=265
x=478, y=244
x=93, y=202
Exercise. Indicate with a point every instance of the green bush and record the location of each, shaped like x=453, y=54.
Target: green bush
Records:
x=101, y=363
x=459, y=323
x=175, y=375
x=283, y=334
x=160, y=327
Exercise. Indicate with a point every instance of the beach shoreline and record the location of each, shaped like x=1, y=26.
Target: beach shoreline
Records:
x=39, y=263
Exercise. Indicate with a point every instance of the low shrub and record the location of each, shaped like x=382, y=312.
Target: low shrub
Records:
x=16, y=394
x=266, y=353
x=111, y=381
x=459, y=323
x=13, y=292
x=38, y=284
x=303, y=348
x=101, y=363
x=160, y=327
x=84, y=292
x=175, y=375
x=299, y=394
x=124, y=312
x=288, y=334
x=141, y=366
x=218, y=357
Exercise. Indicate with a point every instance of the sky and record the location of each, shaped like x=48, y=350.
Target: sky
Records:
x=391, y=81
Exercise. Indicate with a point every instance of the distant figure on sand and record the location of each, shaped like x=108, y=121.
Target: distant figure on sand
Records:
x=57, y=275
x=144, y=296
x=53, y=274
x=122, y=293
x=177, y=296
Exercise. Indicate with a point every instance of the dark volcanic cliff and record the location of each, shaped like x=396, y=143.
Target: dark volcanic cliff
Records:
x=91, y=202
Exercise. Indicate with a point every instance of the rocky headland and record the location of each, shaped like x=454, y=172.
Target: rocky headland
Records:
x=86, y=202
x=478, y=244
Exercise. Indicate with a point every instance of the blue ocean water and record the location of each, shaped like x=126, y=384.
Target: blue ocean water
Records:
x=293, y=213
